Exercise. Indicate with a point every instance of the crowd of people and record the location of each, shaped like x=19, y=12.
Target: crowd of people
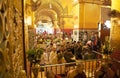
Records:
x=58, y=50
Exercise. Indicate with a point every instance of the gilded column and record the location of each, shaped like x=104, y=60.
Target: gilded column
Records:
x=115, y=29
x=81, y=14
x=56, y=27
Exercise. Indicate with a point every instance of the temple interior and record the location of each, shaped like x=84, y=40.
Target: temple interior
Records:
x=59, y=38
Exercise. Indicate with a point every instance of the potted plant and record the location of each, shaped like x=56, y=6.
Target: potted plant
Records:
x=106, y=49
x=34, y=56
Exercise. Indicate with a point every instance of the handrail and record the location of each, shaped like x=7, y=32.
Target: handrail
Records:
x=90, y=67
x=51, y=65
x=118, y=61
x=97, y=52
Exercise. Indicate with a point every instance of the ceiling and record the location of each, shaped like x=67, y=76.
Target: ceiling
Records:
x=50, y=8
x=99, y=2
x=54, y=8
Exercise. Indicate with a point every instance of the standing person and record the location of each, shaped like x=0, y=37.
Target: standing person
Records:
x=44, y=58
x=77, y=72
x=53, y=56
x=78, y=51
x=85, y=38
x=89, y=44
x=96, y=43
x=92, y=39
x=49, y=49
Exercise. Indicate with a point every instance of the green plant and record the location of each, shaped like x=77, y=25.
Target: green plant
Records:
x=106, y=49
x=34, y=55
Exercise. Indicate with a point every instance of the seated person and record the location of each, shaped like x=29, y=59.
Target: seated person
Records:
x=104, y=71
x=77, y=72
x=68, y=56
x=50, y=74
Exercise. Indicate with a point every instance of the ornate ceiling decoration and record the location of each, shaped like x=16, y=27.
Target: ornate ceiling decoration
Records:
x=54, y=9
x=54, y=5
x=46, y=12
x=35, y=4
x=99, y=2
x=51, y=8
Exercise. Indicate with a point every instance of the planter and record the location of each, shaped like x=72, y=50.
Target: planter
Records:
x=106, y=56
x=35, y=70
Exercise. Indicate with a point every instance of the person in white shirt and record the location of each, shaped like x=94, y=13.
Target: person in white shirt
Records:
x=53, y=56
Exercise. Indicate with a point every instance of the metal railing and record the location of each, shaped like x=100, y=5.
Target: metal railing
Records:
x=117, y=66
x=90, y=67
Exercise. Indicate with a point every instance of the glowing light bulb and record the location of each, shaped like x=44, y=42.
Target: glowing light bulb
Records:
x=108, y=24
x=34, y=0
x=50, y=5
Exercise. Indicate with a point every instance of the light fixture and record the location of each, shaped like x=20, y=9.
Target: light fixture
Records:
x=76, y=26
x=75, y=1
x=28, y=20
x=50, y=5
x=34, y=0
x=108, y=24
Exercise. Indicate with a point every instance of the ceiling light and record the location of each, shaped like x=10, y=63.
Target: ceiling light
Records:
x=50, y=5
x=75, y=1
x=34, y=0
x=108, y=24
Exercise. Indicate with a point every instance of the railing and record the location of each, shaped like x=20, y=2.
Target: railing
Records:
x=117, y=66
x=90, y=67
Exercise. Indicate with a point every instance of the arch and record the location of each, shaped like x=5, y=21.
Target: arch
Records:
x=52, y=8
x=45, y=12
x=55, y=5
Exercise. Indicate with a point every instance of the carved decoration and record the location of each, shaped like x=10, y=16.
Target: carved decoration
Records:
x=11, y=41
x=114, y=14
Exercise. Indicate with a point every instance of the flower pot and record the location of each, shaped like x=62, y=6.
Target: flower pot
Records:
x=36, y=70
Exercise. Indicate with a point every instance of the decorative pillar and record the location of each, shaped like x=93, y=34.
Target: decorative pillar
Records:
x=56, y=27
x=115, y=29
x=82, y=15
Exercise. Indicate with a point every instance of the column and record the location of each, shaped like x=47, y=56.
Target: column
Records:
x=81, y=15
x=115, y=29
x=56, y=27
